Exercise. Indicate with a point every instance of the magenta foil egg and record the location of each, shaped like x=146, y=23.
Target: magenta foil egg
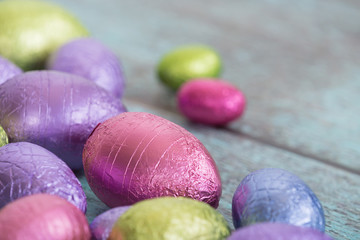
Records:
x=42, y=216
x=136, y=156
x=8, y=69
x=55, y=110
x=92, y=60
x=210, y=101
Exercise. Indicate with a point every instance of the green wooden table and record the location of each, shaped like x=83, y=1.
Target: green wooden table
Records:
x=298, y=63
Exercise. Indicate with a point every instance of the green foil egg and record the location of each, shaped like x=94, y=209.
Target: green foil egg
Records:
x=3, y=137
x=31, y=30
x=169, y=218
x=187, y=62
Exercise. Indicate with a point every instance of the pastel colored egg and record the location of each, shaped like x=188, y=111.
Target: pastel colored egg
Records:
x=135, y=156
x=188, y=62
x=277, y=231
x=101, y=225
x=55, y=110
x=8, y=69
x=3, y=137
x=92, y=60
x=26, y=169
x=42, y=216
x=275, y=195
x=31, y=30
x=210, y=101
x=170, y=218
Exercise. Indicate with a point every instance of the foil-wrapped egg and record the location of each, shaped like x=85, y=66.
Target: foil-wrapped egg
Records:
x=31, y=30
x=92, y=60
x=277, y=231
x=136, y=156
x=42, y=216
x=8, y=69
x=275, y=195
x=55, y=110
x=3, y=137
x=101, y=226
x=188, y=62
x=26, y=169
x=170, y=218
x=210, y=101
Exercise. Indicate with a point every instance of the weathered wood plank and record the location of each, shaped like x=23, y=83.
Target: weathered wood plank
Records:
x=237, y=156
x=296, y=61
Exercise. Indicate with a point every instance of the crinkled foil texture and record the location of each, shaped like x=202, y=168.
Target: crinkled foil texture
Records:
x=27, y=169
x=55, y=110
x=136, y=156
x=275, y=195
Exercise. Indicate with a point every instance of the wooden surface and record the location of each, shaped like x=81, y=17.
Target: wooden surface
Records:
x=298, y=63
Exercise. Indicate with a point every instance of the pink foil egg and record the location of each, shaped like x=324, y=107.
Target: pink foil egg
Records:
x=136, y=156
x=210, y=101
x=8, y=69
x=55, y=110
x=42, y=216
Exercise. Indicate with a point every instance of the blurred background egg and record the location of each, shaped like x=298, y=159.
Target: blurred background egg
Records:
x=31, y=30
x=7, y=69
x=275, y=195
x=170, y=218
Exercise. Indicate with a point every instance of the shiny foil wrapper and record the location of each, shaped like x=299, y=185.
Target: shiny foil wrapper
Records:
x=27, y=169
x=3, y=137
x=31, y=30
x=276, y=231
x=210, y=101
x=8, y=70
x=136, y=156
x=170, y=218
x=275, y=195
x=42, y=216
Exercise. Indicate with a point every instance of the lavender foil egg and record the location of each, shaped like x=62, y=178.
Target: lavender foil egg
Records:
x=92, y=60
x=8, y=69
x=277, y=231
x=26, y=169
x=135, y=156
x=55, y=110
x=275, y=195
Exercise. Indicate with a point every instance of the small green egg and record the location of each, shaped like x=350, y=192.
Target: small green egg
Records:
x=170, y=218
x=187, y=62
x=3, y=137
x=31, y=30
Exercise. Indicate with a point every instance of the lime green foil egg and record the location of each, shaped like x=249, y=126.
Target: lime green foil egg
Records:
x=187, y=62
x=169, y=218
x=3, y=137
x=31, y=30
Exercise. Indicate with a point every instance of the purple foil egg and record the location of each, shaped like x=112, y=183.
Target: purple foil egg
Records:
x=8, y=69
x=275, y=195
x=102, y=225
x=136, y=156
x=277, y=231
x=55, y=110
x=89, y=58
x=26, y=169
x=210, y=101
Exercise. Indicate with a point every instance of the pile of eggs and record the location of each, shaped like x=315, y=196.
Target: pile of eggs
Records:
x=158, y=179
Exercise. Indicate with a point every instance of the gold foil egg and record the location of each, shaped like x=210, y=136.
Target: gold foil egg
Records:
x=169, y=218
x=31, y=30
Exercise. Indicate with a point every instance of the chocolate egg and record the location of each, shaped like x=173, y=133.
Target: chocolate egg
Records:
x=27, y=169
x=101, y=226
x=210, y=101
x=3, y=137
x=170, y=218
x=55, y=110
x=187, y=62
x=277, y=231
x=275, y=195
x=31, y=30
x=92, y=60
x=42, y=216
x=136, y=156
x=7, y=69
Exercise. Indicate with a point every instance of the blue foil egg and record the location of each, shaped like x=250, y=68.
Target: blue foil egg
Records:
x=275, y=195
